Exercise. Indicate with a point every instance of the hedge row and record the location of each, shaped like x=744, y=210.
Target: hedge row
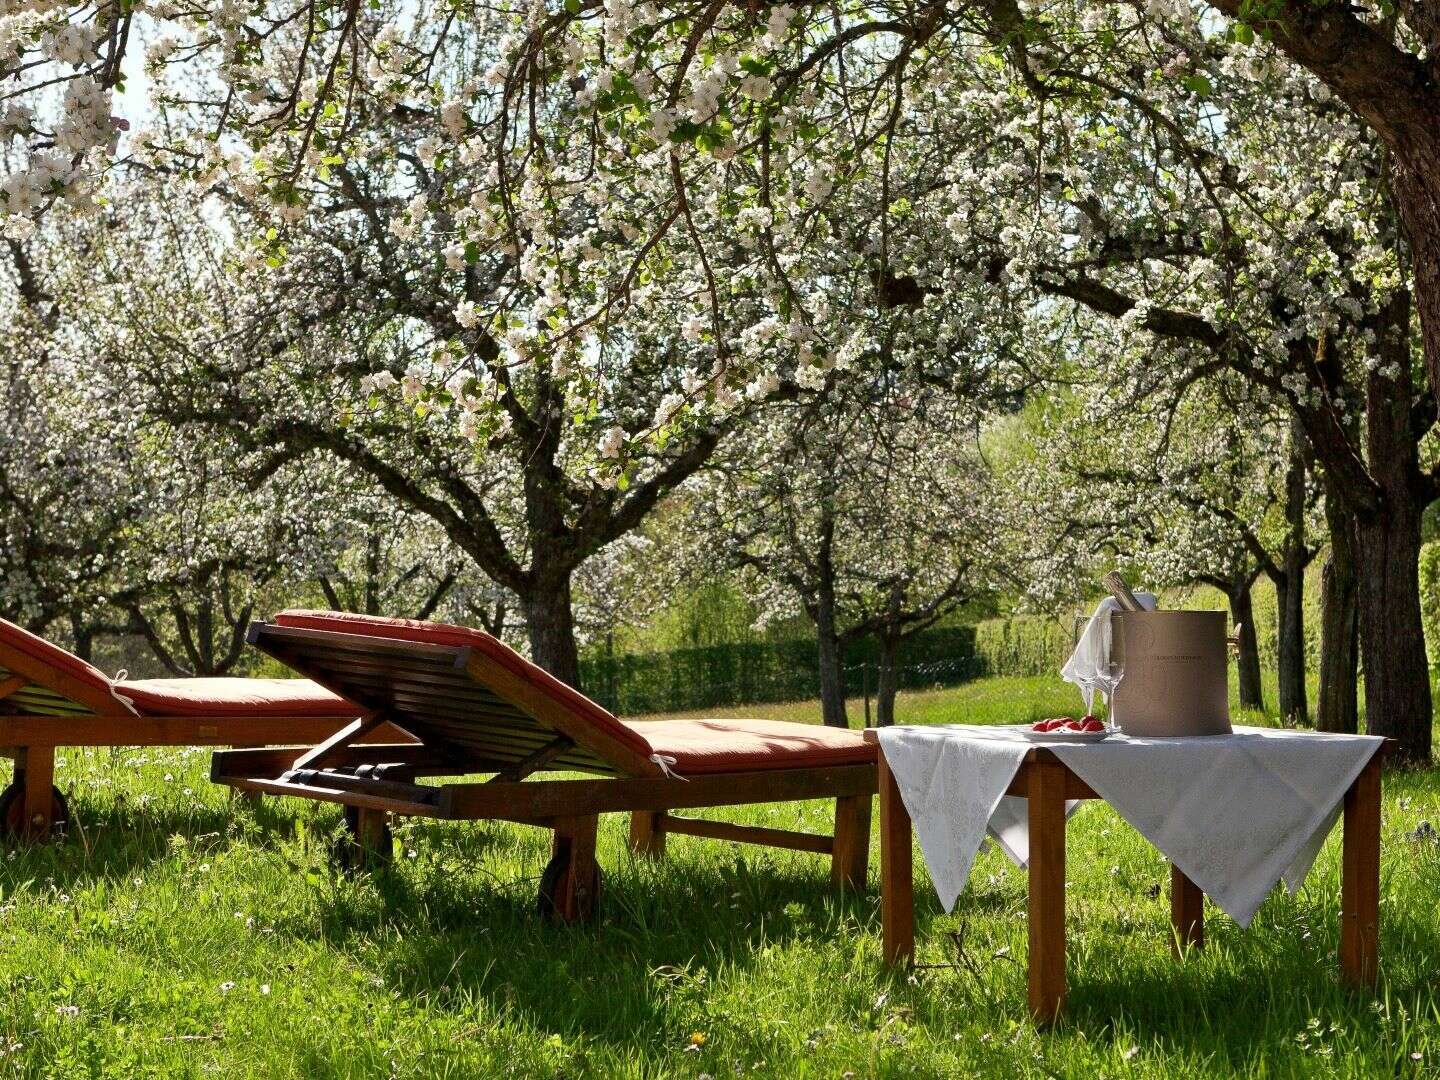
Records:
x=757, y=672
x=1023, y=645
x=752, y=673
x=717, y=676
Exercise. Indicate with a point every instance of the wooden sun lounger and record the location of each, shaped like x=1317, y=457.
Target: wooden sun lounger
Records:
x=50, y=698
x=476, y=707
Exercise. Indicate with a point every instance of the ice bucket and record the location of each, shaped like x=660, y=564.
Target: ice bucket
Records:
x=1176, y=667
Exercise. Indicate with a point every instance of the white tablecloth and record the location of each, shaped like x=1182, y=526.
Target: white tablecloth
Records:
x=1236, y=813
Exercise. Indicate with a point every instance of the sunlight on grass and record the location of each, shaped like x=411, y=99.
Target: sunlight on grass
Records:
x=178, y=933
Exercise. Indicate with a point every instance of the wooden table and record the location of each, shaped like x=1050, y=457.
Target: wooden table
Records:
x=1047, y=783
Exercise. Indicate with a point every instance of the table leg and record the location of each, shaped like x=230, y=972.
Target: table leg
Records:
x=1360, y=879
x=897, y=885
x=1187, y=912
x=1047, y=890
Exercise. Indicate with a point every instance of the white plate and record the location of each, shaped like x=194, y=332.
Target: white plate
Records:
x=1064, y=736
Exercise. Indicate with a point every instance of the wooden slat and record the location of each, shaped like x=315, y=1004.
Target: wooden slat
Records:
x=386, y=674
x=553, y=714
x=558, y=798
x=513, y=746
x=9, y=685
x=436, y=670
x=460, y=710
x=421, y=690
x=290, y=646
x=494, y=735
x=266, y=636
x=37, y=701
x=61, y=682
x=525, y=740
x=750, y=834
x=431, y=694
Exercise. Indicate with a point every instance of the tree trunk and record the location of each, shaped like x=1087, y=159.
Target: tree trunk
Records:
x=550, y=620
x=1387, y=543
x=372, y=574
x=1242, y=612
x=1290, y=589
x=1415, y=191
x=83, y=638
x=832, y=666
x=1337, y=709
x=888, y=683
x=1290, y=646
x=1392, y=641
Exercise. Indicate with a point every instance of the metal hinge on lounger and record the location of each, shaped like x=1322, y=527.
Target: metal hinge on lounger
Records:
x=365, y=785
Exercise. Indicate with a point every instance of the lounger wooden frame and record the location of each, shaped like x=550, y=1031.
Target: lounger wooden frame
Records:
x=31, y=740
x=378, y=780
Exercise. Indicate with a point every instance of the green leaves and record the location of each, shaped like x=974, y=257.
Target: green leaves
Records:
x=1197, y=84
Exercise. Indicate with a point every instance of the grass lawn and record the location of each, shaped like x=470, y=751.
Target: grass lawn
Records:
x=179, y=934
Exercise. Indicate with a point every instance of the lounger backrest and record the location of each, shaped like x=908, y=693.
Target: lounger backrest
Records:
x=56, y=682
x=454, y=687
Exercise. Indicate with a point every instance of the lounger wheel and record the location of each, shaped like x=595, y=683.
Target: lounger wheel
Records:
x=349, y=854
x=555, y=883
x=12, y=811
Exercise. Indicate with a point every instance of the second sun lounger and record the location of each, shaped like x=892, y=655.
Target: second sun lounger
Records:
x=476, y=706
x=50, y=697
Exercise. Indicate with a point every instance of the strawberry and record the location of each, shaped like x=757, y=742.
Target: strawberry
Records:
x=1090, y=723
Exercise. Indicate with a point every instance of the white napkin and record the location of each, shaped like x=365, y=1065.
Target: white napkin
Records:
x=1235, y=812
x=1092, y=651
x=951, y=780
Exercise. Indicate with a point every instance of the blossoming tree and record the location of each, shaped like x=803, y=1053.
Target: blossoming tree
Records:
x=872, y=512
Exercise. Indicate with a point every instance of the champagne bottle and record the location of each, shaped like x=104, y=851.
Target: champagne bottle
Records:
x=1118, y=589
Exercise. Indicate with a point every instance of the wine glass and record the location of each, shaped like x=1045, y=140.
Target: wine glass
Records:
x=1107, y=677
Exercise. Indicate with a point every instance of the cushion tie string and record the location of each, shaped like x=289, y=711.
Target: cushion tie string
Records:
x=129, y=703
x=665, y=761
